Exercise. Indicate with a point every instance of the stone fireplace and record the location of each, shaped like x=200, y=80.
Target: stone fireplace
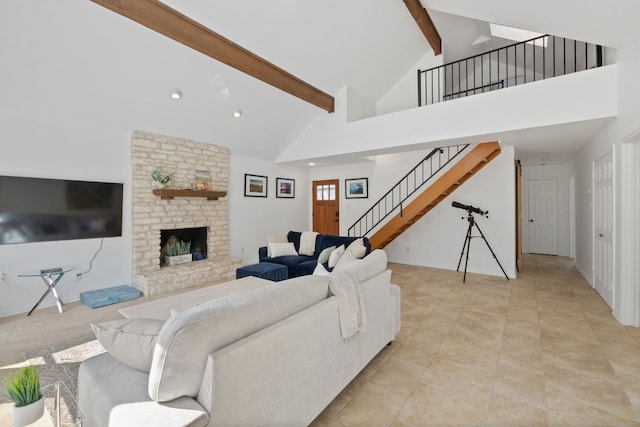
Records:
x=152, y=214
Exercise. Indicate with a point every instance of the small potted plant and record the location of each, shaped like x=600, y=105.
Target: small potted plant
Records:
x=177, y=253
x=160, y=178
x=23, y=388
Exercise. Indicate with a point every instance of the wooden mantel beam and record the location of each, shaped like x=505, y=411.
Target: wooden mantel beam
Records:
x=425, y=23
x=169, y=22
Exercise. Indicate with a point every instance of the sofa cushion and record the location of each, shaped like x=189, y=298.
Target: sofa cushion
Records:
x=367, y=267
x=344, y=260
x=320, y=270
x=357, y=248
x=281, y=249
x=111, y=394
x=292, y=262
x=294, y=237
x=305, y=268
x=186, y=340
x=324, y=255
x=131, y=341
x=276, y=238
x=335, y=256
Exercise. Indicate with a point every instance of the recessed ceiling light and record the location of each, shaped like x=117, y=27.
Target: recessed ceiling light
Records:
x=237, y=113
x=311, y=164
x=176, y=94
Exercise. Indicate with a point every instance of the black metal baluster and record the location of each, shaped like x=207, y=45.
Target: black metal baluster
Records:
x=431, y=87
x=544, y=57
x=564, y=55
x=439, y=84
x=419, y=89
x=534, y=60
x=599, y=56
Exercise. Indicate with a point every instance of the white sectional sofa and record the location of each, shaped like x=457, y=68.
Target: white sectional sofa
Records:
x=271, y=356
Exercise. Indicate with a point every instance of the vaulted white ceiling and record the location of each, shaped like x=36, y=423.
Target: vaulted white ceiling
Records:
x=75, y=64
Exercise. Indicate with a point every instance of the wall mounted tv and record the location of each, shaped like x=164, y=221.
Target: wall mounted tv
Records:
x=39, y=209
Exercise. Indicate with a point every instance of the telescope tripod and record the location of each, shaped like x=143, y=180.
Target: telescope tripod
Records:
x=467, y=244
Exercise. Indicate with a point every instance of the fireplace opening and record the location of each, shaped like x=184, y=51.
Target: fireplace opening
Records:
x=196, y=236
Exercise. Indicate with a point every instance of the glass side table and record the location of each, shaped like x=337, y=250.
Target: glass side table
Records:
x=50, y=277
x=66, y=411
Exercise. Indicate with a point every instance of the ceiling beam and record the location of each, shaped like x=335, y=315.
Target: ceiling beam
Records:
x=425, y=23
x=169, y=22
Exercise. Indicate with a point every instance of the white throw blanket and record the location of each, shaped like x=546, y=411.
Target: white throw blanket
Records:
x=307, y=243
x=351, y=311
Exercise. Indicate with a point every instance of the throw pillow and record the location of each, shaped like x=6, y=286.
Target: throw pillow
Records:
x=357, y=248
x=320, y=270
x=335, y=256
x=131, y=341
x=275, y=238
x=344, y=260
x=324, y=255
x=281, y=249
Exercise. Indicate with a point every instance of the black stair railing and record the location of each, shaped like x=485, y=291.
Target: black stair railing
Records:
x=393, y=199
x=536, y=59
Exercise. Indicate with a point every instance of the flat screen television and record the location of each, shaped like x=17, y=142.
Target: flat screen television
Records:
x=40, y=209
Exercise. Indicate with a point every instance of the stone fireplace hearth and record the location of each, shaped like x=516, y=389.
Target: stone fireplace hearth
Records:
x=151, y=214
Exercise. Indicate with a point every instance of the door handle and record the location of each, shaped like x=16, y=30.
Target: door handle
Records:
x=530, y=220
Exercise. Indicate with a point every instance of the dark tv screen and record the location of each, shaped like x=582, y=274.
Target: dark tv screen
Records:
x=40, y=209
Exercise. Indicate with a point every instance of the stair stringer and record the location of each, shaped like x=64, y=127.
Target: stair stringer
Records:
x=453, y=178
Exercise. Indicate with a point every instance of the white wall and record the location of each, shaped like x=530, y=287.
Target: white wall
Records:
x=562, y=174
x=486, y=115
x=350, y=209
x=40, y=150
x=404, y=94
x=251, y=219
x=626, y=290
x=436, y=240
x=43, y=150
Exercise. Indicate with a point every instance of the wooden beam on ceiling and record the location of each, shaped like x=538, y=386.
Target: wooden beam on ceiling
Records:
x=169, y=22
x=425, y=23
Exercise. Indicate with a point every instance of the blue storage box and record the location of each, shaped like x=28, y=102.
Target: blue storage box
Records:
x=107, y=296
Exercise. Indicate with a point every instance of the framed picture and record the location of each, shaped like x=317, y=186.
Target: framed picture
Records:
x=203, y=180
x=356, y=188
x=255, y=185
x=285, y=188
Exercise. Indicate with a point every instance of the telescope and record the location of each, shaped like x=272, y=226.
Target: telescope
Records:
x=467, y=240
x=469, y=208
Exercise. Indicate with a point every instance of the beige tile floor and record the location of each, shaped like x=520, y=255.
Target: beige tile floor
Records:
x=540, y=350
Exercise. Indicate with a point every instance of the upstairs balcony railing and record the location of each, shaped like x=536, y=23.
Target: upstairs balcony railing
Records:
x=393, y=199
x=536, y=59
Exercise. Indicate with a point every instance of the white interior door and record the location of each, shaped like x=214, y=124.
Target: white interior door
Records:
x=543, y=216
x=603, y=227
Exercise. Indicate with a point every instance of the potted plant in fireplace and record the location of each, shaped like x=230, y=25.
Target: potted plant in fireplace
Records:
x=23, y=388
x=178, y=253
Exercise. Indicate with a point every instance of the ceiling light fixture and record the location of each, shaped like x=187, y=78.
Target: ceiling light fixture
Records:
x=176, y=94
x=311, y=164
x=237, y=113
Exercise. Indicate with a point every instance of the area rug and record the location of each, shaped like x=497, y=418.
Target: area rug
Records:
x=58, y=364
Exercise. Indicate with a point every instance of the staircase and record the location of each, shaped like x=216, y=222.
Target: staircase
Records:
x=459, y=173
